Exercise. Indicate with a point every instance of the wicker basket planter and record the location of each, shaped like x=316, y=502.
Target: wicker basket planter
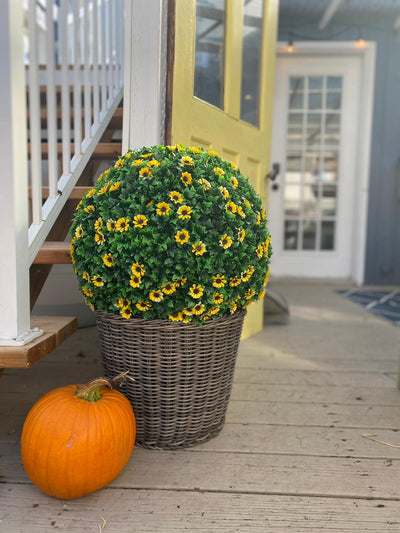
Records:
x=183, y=374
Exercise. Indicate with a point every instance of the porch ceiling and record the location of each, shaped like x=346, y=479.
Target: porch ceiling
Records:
x=294, y=13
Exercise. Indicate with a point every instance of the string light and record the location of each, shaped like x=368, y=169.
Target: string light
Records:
x=290, y=46
x=361, y=43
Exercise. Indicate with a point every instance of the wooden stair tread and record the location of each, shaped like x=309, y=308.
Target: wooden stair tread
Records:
x=102, y=151
x=56, y=330
x=53, y=253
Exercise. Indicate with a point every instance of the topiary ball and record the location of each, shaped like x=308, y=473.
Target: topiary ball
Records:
x=173, y=233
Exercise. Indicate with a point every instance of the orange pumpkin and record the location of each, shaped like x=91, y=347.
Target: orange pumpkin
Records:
x=77, y=439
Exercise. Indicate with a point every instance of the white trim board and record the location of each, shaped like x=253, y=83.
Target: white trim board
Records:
x=367, y=55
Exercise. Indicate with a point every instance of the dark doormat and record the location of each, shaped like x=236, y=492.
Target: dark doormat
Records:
x=385, y=304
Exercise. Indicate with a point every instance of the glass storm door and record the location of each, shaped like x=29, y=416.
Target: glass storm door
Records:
x=223, y=88
x=315, y=142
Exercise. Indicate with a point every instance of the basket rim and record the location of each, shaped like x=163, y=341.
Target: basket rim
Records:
x=134, y=321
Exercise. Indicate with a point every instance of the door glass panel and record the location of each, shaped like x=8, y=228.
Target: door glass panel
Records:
x=209, y=56
x=328, y=201
x=327, y=235
x=296, y=95
x=291, y=235
x=293, y=167
x=314, y=128
x=310, y=200
x=251, y=61
x=309, y=234
x=312, y=178
x=292, y=200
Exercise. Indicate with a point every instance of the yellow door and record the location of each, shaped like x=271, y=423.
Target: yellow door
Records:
x=223, y=88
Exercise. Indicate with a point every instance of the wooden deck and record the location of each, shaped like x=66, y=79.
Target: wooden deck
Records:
x=291, y=457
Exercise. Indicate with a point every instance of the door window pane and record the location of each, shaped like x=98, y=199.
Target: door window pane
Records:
x=310, y=200
x=293, y=167
x=291, y=234
x=309, y=234
x=292, y=200
x=209, y=56
x=329, y=166
x=251, y=61
x=327, y=235
x=328, y=201
x=313, y=128
x=296, y=94
x=312, y=167
x=332, y=129
x=295, y=129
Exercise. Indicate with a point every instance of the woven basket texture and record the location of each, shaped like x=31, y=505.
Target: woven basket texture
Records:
x=183, y=374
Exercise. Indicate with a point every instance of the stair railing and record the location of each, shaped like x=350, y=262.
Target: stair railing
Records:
x=73, y=55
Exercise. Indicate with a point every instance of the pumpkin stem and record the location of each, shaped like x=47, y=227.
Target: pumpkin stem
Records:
x=91, y=391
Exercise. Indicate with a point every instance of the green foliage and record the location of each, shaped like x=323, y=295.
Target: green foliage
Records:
x=171, y=232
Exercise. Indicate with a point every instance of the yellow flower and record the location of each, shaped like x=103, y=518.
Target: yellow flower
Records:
x=241, y=234
x=90, y=193
x=100, y=177
x=138, y=163
x=135, y=281
x=234, y=183
x=143, y=306
x=89, y=208
x=217, y=298
x=138, y=269
x=79, y=206
x=86, y=276
x=186, y=178
x=214, y=310
x=150, y=203
x=224, y=192
x=180, y=282
x=246, y=202
x=188, y=312
x=261, y=295
x=195, y=150
x=219, y=281
x=107, y=171
x=115, y=186
x=249, y=294
x=266, y=278
x=184, y=212
x=103, y=190
x=258, y=219
x=111, y=225
x=108, y=260
x=176, y=197
x=139, y=221
x=218, y=171
x=225, y=241
x=182, y=236
x=234, y=166
x=126, y=312
x=71, y=252
x=169, y=288
x=98, y=224
x=97, y=280
x=119, y=163
x=145, y=172
x=123, y=302
x=99, y=238
x=187, y=161
x=156, y=296
x=122, y=224
x=198, y=309
x=196, y=291
x=128, y=156
x=231, y=207
x=172, y=148
x=163, y=208
x=213, y=152
x=87, y=292
x=236, y=280
x=90, y=305
x=177, y=317
x=79, y=232
x=246, y=275
x=260, y=251
x=206, y=184
x=233, y=308
x=198, y=248
x=153, y=163
x=146, y=156
x=241, y=212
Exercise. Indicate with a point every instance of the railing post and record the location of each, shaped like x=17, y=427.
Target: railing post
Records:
x=14, y=258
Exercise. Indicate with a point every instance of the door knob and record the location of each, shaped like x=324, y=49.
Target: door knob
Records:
x=273, y=174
